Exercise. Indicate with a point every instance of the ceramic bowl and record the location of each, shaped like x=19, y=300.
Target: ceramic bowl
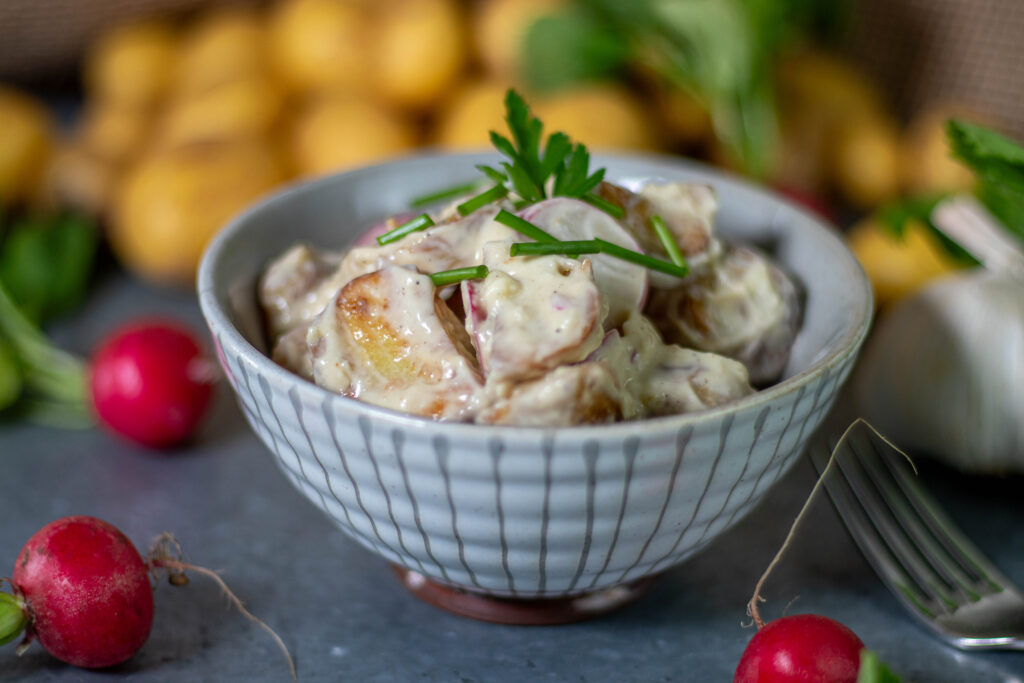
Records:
x=529, y=513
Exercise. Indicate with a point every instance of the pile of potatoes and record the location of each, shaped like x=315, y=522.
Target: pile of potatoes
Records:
x=188, y=120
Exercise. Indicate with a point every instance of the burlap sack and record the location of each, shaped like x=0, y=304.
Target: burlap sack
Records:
x=40, y=38
x=969, y=52
x=937, y=52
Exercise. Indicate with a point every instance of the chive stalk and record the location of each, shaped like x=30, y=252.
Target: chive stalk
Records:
x=613, y=210
x=449, y=193
x=483, y=199
x=450, y=277
x=421, y=222
x=641, y=259
x=572, y=248
x=524, y=227
x=668, y=241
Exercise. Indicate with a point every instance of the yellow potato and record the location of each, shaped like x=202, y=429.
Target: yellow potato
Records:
x=499, y=29
x=928, y=166
x=113, y=132
x=418, y=52
x=132, y=64
x=341, y=132
x=248, y=107
x=26, y=138
x=865, y=159
x=222, y=45
x=470, y=114
x=896, y=267
x=829, y=86
x=172, y=203
x=599, y=116
x=321, y=45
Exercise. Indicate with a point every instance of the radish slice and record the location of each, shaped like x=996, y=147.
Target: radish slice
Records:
x=622, y=284
x=475, y=316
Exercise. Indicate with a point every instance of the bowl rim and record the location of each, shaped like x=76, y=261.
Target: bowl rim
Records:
x=839, y=350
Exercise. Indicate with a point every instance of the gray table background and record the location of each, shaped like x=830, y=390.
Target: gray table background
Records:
x=345, y=617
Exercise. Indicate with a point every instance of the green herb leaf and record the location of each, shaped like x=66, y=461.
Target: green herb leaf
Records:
x=571, y=46
x=644, y=260
x=524, y=227
x=895, y=217
x=998, y=163
x=10, y=375
x=45, y=263
x=421, y=222
x=598, y=246
x=450, y=277
x=483, y=199
x=668, y=241
x=555, y=152
x=47, y=371
x=492, y=173
x=873, y=670
x=449, y=193
x=613, y=210
x=568, y=248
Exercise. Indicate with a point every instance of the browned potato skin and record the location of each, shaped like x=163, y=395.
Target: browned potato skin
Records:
x=639, y=212
x=360, y=311
x=588, y=399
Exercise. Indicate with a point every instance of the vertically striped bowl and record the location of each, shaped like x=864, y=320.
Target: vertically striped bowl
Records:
x=525, y=512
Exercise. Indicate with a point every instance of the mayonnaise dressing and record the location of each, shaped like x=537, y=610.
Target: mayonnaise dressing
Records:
x=387, y=339
x=532, y=314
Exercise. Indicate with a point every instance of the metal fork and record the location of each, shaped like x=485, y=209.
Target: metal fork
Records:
x=931, y=567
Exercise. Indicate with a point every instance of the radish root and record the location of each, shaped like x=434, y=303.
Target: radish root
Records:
x=165, y=554
x=752, y=607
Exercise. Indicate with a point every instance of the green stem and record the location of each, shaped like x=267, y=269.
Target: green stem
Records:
x=450, y=277
x=12, y=617
x=48, y=371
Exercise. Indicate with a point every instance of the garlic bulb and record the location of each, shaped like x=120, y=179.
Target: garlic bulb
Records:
x=943, y=373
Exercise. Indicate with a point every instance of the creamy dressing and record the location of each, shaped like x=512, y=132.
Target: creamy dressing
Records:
x=663, y=379
x=541, y=340
x=532, y=314
x=387, y=339
x=456, y=244
x=297, y=286
x=744, y=308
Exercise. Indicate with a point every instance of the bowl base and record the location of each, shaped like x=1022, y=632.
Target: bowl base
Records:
x=521, y=612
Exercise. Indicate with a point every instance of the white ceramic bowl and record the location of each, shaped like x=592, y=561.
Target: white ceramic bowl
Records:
x=528, y=512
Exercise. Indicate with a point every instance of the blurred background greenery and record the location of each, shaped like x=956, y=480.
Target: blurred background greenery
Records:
x=182, y=112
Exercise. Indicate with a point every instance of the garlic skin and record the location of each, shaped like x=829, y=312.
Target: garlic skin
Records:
x=943, y=373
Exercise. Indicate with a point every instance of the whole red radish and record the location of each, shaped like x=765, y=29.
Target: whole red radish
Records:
x=804, y=648
x=150, y=382
x=85, y=591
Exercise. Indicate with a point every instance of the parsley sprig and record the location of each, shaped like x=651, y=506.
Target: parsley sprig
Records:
x=529, y=168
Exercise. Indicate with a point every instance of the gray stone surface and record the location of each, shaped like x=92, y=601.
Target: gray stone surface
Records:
x=345, y=617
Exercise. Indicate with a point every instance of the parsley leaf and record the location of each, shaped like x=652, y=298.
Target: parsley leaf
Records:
x=895, y=216
x=46, y=262
x=998, y=163
x=528, y=170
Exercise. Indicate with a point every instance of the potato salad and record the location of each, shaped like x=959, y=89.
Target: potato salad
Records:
x=526, y=305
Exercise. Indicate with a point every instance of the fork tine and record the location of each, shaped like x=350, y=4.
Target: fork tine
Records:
x=873, y=502
x=965, y=552
x=864, y=532
x=882, y=464
x=917, y=551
